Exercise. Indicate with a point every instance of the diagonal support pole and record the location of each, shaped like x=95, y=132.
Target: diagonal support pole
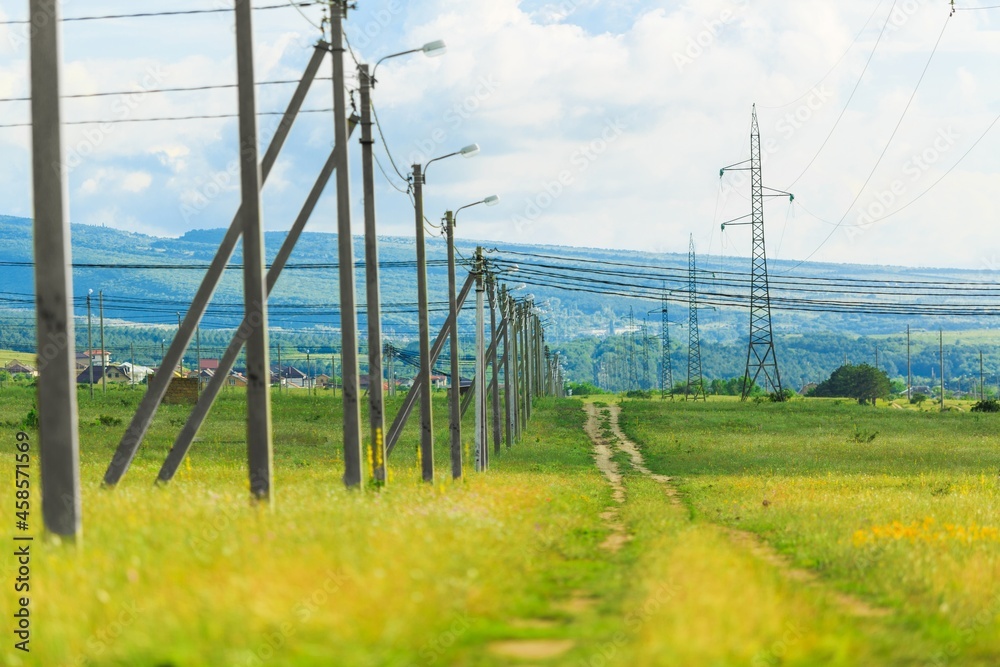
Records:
x=413, y=394
x=490, y=351
x=129, y=444
x=207, y=398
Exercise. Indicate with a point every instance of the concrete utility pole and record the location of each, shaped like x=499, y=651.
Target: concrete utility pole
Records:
x=376, y=403
x=104, y=358
x=454, y=398
x=197, y=352
x=410, y=400
x=529, y=355
x=90, y=345
x=982, y=394
x=495, y=377
x=157, y=386
x=181, y=364
x=480, y=383
x=58, y=437
x=941, y=355
x=353, y=475
x=514, y=407
x=507, y=380
x=426, y=405
x=259, y=452
x=909, y=377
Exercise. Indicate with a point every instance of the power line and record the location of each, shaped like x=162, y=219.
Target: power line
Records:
x=179, y=12
x=385, y=144
x=884, y=150
x=851, y=97
x=836, y=64
x=117, y=121
x=308, y=20
x=395, y=264
x=151, y=91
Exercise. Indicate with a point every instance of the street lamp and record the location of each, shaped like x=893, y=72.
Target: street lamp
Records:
x=376, y=409
x=454, y=402
x=426, y=419
x=430, y=49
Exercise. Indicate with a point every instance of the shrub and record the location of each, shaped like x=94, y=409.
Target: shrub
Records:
x=863, y=437
x=785, y=395
x=989, y=405
x=638, y=393
x=109, y=420
x=30, y=420
x=917, y=399
x=584, y=389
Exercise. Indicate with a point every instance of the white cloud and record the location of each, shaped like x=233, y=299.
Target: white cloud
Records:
x=136, y=181
x=681, y=76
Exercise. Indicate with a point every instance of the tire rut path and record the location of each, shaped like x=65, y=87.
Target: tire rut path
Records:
x=746, y=540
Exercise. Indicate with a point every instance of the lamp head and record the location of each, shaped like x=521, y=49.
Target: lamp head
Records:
x=434, y=49
x=492, y=200
x=470, y=150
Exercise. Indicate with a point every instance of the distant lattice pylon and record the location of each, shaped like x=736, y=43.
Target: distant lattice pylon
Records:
x=762, y=362
x=695, y=382
x=666, y=370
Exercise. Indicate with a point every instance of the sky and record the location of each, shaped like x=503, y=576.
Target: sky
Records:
x=601, y=123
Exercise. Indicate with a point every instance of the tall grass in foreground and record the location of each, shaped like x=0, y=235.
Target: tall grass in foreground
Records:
x=194, y=574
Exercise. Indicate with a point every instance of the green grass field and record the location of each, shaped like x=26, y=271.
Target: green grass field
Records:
x=7, y=356
x=887, y=511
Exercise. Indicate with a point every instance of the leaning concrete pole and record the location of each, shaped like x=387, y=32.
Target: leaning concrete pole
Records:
x=58, y=438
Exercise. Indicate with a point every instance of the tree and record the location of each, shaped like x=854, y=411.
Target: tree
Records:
x=862, y=382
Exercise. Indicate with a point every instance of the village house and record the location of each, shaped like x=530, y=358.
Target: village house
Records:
x=290, y=376
x=113, y=373
x=137, y=373
x=236, y=380
x=97, y=357
x=16, y=367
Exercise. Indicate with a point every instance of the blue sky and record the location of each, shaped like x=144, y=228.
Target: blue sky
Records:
x=601, y=123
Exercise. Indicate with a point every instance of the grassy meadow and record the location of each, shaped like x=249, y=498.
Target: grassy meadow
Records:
x=897, y=507
x=892, y=512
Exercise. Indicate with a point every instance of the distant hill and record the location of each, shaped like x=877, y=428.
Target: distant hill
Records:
x=306, y=297
x=152, y=295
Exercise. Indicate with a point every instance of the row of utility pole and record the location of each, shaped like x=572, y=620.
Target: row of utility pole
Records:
x=519, y=363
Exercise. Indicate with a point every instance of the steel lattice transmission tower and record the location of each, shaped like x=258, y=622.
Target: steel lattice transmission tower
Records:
x=761, y=358
x=695, y=382
x=666, y=369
